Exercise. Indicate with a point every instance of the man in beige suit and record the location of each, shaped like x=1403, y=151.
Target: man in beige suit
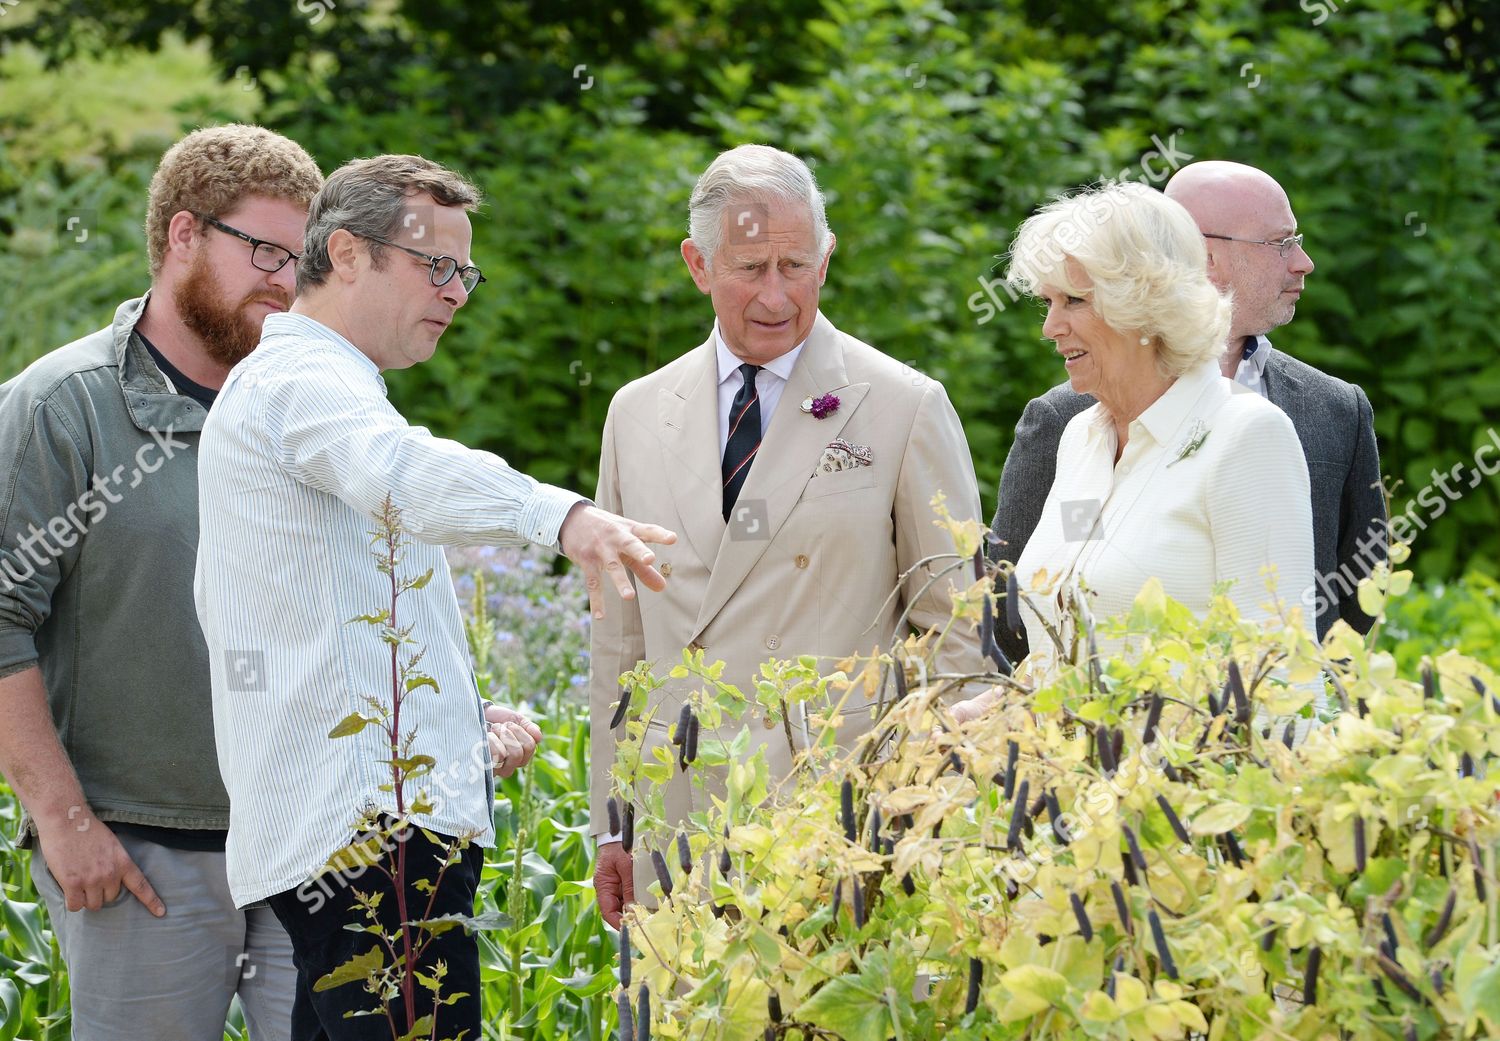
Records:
x=798, y=463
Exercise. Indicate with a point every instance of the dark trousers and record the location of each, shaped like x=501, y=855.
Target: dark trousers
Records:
x=315, y=916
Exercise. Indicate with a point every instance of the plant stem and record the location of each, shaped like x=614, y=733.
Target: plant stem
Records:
x=408, y=955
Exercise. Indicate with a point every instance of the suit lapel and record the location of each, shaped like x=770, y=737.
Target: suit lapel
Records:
x=1283, y=390
x=789, y=453
x=688, y=415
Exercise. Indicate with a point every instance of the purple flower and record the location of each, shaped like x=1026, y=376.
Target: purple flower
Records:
x=825, y=406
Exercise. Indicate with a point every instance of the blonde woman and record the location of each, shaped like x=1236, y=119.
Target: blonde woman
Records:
x=1176, y=473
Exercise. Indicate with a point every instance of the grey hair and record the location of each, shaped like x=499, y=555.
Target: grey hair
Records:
x=752, y=174
x=369, y=197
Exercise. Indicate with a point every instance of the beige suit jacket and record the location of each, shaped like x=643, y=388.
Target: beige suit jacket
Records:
x=808, y=566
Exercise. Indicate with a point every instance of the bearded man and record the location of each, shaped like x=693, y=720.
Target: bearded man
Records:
x=104, y=673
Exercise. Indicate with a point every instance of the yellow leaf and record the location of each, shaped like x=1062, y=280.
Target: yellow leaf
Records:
x=1168, y=990
x=1371, y=597
x=353, y=723
x=1216, y=820
x=1190, y=1016
x=1099, y=1007
x=1161, y=1022
x=1032, y=988
x=1150, y=605
x=1130, y=993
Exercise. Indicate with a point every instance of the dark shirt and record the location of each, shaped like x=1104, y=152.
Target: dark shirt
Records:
x=204, y=396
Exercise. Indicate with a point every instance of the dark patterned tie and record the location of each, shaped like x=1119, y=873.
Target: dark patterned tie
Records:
x=744, y=437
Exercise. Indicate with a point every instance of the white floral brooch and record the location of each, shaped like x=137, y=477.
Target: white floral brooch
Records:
x=1196, y=435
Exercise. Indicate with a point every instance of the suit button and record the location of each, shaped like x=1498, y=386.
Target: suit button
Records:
x=696, y=646
x=773, y=642
x=665, y=568
x=802, y=560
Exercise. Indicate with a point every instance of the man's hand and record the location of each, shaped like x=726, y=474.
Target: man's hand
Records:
x=974, y=707
x=614, y=882
x=91, y=866
x=602, y=542
x=512, y=738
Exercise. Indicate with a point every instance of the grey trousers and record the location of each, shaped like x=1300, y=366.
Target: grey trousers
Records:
x=135, y=977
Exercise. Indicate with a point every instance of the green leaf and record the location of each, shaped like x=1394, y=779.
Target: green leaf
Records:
x=356, y=970
x=858, y=1008
x=351, y=724
x=416, y=766
x=1482, y=990
x=10, y=1007
x=356, y=855
x=441, y=924
x=421, y=1029
x=489, y=921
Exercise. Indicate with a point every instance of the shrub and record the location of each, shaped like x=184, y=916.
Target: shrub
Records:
x=1134, y=849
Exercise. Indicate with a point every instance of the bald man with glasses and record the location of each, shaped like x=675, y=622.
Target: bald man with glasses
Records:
x=1255, y=252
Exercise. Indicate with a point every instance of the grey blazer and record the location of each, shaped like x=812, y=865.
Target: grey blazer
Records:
x=1336, y=427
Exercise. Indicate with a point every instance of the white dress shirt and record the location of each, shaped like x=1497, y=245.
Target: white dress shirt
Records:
x=296, y=458
x=770, y=381
x=1236, y=504
x=1251, y=370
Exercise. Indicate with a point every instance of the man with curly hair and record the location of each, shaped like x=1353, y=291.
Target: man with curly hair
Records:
x=104, y=672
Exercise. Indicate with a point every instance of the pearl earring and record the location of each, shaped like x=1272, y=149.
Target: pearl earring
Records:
x=1145, y=341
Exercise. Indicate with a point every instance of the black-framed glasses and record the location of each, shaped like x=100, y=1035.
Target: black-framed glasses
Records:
x=440, y=269
x=267, y=256
x=1283, y=246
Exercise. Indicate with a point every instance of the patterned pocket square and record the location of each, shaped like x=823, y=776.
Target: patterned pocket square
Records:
x=843, y=455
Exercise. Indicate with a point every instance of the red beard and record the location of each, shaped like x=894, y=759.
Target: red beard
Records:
x=228, y=333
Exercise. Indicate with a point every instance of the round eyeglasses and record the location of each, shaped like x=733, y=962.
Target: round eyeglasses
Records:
x=267, y=256
x=440, y=269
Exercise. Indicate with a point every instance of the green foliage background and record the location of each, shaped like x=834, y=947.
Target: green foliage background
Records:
x=935, y=128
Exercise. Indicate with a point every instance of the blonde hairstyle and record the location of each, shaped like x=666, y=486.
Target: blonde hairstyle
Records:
x=211, y=170
x=1146, y=268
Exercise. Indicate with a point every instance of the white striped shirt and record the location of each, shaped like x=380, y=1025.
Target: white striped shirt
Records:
x=296, y=459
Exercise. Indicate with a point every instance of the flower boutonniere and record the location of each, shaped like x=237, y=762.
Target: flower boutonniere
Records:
x=1196, y=435
x=821, y=407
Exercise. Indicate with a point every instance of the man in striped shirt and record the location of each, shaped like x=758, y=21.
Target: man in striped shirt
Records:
x=299, y=458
